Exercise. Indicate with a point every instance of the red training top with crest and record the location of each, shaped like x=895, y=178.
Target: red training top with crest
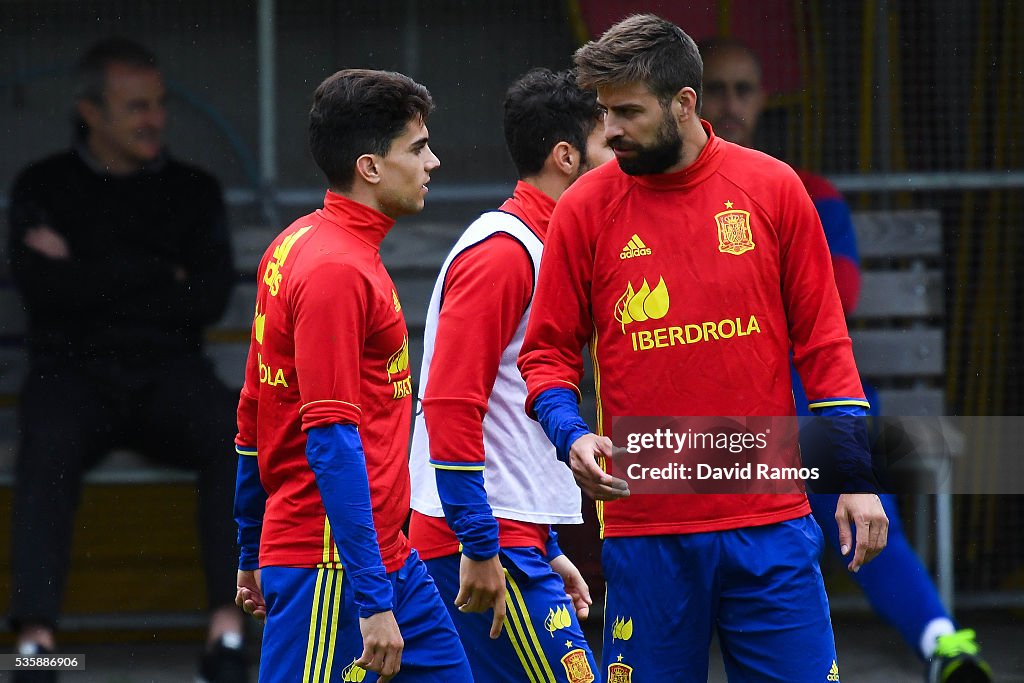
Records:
x=692, y=289
x=329, y=345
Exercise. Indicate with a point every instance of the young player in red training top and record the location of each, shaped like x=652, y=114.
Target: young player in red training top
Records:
x=487, y=477
x=734, y=250
x=323, y=479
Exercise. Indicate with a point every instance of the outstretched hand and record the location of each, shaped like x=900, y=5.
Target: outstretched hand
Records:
x=594, y=481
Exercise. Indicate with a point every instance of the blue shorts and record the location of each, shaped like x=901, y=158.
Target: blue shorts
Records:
x=759, y=587
x=312, y=632
x=541, y=642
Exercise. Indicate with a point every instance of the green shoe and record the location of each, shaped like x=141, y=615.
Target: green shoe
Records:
x=956, y=660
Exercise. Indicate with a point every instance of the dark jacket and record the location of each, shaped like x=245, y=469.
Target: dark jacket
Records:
x=150, y=263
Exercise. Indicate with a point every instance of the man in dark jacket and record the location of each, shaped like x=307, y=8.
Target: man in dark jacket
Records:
x=122, y=256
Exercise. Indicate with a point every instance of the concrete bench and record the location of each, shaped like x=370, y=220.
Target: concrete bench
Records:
x=899, y=341
x=897, y=329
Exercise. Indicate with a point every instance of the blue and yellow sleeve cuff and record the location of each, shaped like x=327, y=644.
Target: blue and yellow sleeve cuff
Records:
x=457, y=466
x=838, y=401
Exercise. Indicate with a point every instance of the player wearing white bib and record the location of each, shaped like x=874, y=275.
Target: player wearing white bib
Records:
x=487, y=478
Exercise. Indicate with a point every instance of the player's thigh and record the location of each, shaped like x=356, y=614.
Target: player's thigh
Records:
x=433, y=650
x=773, y=618
x=541, y=626
x=312, y=630
x=444, y=571
x=542, y=639
x=659, y=607
x=490, y=660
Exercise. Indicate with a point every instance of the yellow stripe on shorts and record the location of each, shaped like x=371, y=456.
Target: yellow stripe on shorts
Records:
x=307, y=671
x=514, y=629
x=335, y=614
x=323, y=625
x=325, y=612
x=546, y=674
x=327, y=540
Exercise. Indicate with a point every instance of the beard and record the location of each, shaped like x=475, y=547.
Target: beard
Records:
x=662, y=154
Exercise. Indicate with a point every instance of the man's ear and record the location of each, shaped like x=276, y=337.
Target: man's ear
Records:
x=367, y=168
x=565, y=158
x=684, y=104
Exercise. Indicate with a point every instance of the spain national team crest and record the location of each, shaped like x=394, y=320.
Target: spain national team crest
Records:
x=734, y=235
x=577, y=667
x=620, y=673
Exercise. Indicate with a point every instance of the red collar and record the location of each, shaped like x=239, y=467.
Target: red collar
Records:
x=360, y=220
x=532, y=207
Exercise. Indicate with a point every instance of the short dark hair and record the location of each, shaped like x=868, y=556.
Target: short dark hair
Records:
x=543, y=108
x=361, y=111
x=710, y=46
x=642, y=48
x=91, y=70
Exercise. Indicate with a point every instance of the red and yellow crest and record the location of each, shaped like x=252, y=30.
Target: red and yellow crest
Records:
x=577, y=667
x=398, y=371
x=734, y=235
x=620, y=673
x=399, y=360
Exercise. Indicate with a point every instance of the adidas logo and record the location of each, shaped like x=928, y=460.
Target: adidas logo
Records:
x=833, y=673
x=635, y=247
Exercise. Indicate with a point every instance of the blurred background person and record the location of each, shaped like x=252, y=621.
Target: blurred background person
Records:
x=121, y=255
